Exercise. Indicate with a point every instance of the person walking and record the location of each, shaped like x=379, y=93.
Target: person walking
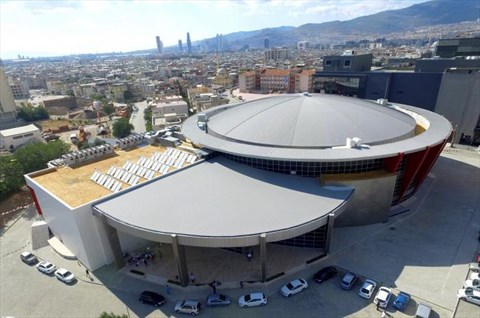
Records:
x=192, y=278
x=167, y=288
x=87, y=273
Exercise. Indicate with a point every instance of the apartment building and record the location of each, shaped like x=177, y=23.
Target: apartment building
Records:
x=276, y=54
x=19, y=89
x=304, y=81
x=247, y=82
x=275, y=80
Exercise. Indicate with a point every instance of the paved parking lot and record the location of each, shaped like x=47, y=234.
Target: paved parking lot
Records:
x=424, y=251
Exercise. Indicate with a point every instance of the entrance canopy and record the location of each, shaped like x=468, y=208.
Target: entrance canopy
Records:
x=221, y=203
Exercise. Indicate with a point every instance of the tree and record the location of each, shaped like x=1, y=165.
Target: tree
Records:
x=147, y=116
x=35, y=156
x=128, y=96
x=122, y=128
x=28, y=113
x=109, y=109
x=11, y=176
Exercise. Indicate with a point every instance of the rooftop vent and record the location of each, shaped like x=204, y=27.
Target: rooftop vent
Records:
x=382, y=101
x=354, y=142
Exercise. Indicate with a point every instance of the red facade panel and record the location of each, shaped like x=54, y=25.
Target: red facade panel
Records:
x=429, y=162
x=35, y=200
x=414, y=162
x=392, y=163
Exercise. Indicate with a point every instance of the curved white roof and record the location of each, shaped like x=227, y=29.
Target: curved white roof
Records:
x=312, y=121
x=273, y=143
x=242, y=203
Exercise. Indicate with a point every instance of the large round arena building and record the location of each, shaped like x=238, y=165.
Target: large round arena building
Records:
x=279, y=171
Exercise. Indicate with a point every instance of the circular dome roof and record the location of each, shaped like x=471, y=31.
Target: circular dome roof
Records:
x=310, y=121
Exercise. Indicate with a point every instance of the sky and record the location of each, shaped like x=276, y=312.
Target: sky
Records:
x=56, y=27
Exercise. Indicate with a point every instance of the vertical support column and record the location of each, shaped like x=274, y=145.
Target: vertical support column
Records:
x=112, y=236
x=263, y=255
x=328, y=238
x=180, y=260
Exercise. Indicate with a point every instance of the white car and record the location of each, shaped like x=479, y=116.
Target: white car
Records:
x=191, y=307
x=383, y=297
x=252, y=300
x=64, y=275
x=294, y=287
x=367, y=289
x=473, y=283
x=475, y=276
x=46, y=267
x=469, y=294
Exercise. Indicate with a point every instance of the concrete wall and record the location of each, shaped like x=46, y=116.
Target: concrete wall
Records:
x=371, y=201
x=415, y=89
x=459, y=101
x=131, y=243
x=76, y=228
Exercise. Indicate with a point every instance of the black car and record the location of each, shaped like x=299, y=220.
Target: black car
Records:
x=324, y=274
x=151, y=298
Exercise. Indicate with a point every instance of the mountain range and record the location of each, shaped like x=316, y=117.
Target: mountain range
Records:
x=423, y=14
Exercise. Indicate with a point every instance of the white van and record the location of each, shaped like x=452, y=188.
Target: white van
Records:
x=423, y=311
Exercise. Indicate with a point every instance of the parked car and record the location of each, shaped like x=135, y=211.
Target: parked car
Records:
x=46, y=267
x=28, y=258
x=214, y=300
x=383, y=297
x=294, y=287
x=252, y=300
x=349, y=280
x=401, y=302
x=473, y=283
x=151, y=297
x=64, y=275
x=470, y=295
x=423, y=311
x=475, y=276
x=51, y=137
x=367, y=289
x=325, y=273
x=191, y=307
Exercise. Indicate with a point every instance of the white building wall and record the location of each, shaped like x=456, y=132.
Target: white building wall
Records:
x=20, y=139
x=130, y=243
x=78, y=229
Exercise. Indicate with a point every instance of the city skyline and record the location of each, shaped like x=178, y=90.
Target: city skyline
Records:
x=53, y=28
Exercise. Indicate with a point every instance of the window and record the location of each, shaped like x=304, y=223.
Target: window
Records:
x=328, y=63
x=347, y=63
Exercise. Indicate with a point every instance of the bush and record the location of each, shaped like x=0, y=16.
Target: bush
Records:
x=122, y=128
x=11, y=176
x=35, y=156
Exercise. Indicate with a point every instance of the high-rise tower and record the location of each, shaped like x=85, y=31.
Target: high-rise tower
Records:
x=189, y=44
x=180, y=46
x=8, y=108
x=266, y=43
x=159, y=45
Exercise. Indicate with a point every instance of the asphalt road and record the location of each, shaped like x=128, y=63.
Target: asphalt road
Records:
x=136, y=119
